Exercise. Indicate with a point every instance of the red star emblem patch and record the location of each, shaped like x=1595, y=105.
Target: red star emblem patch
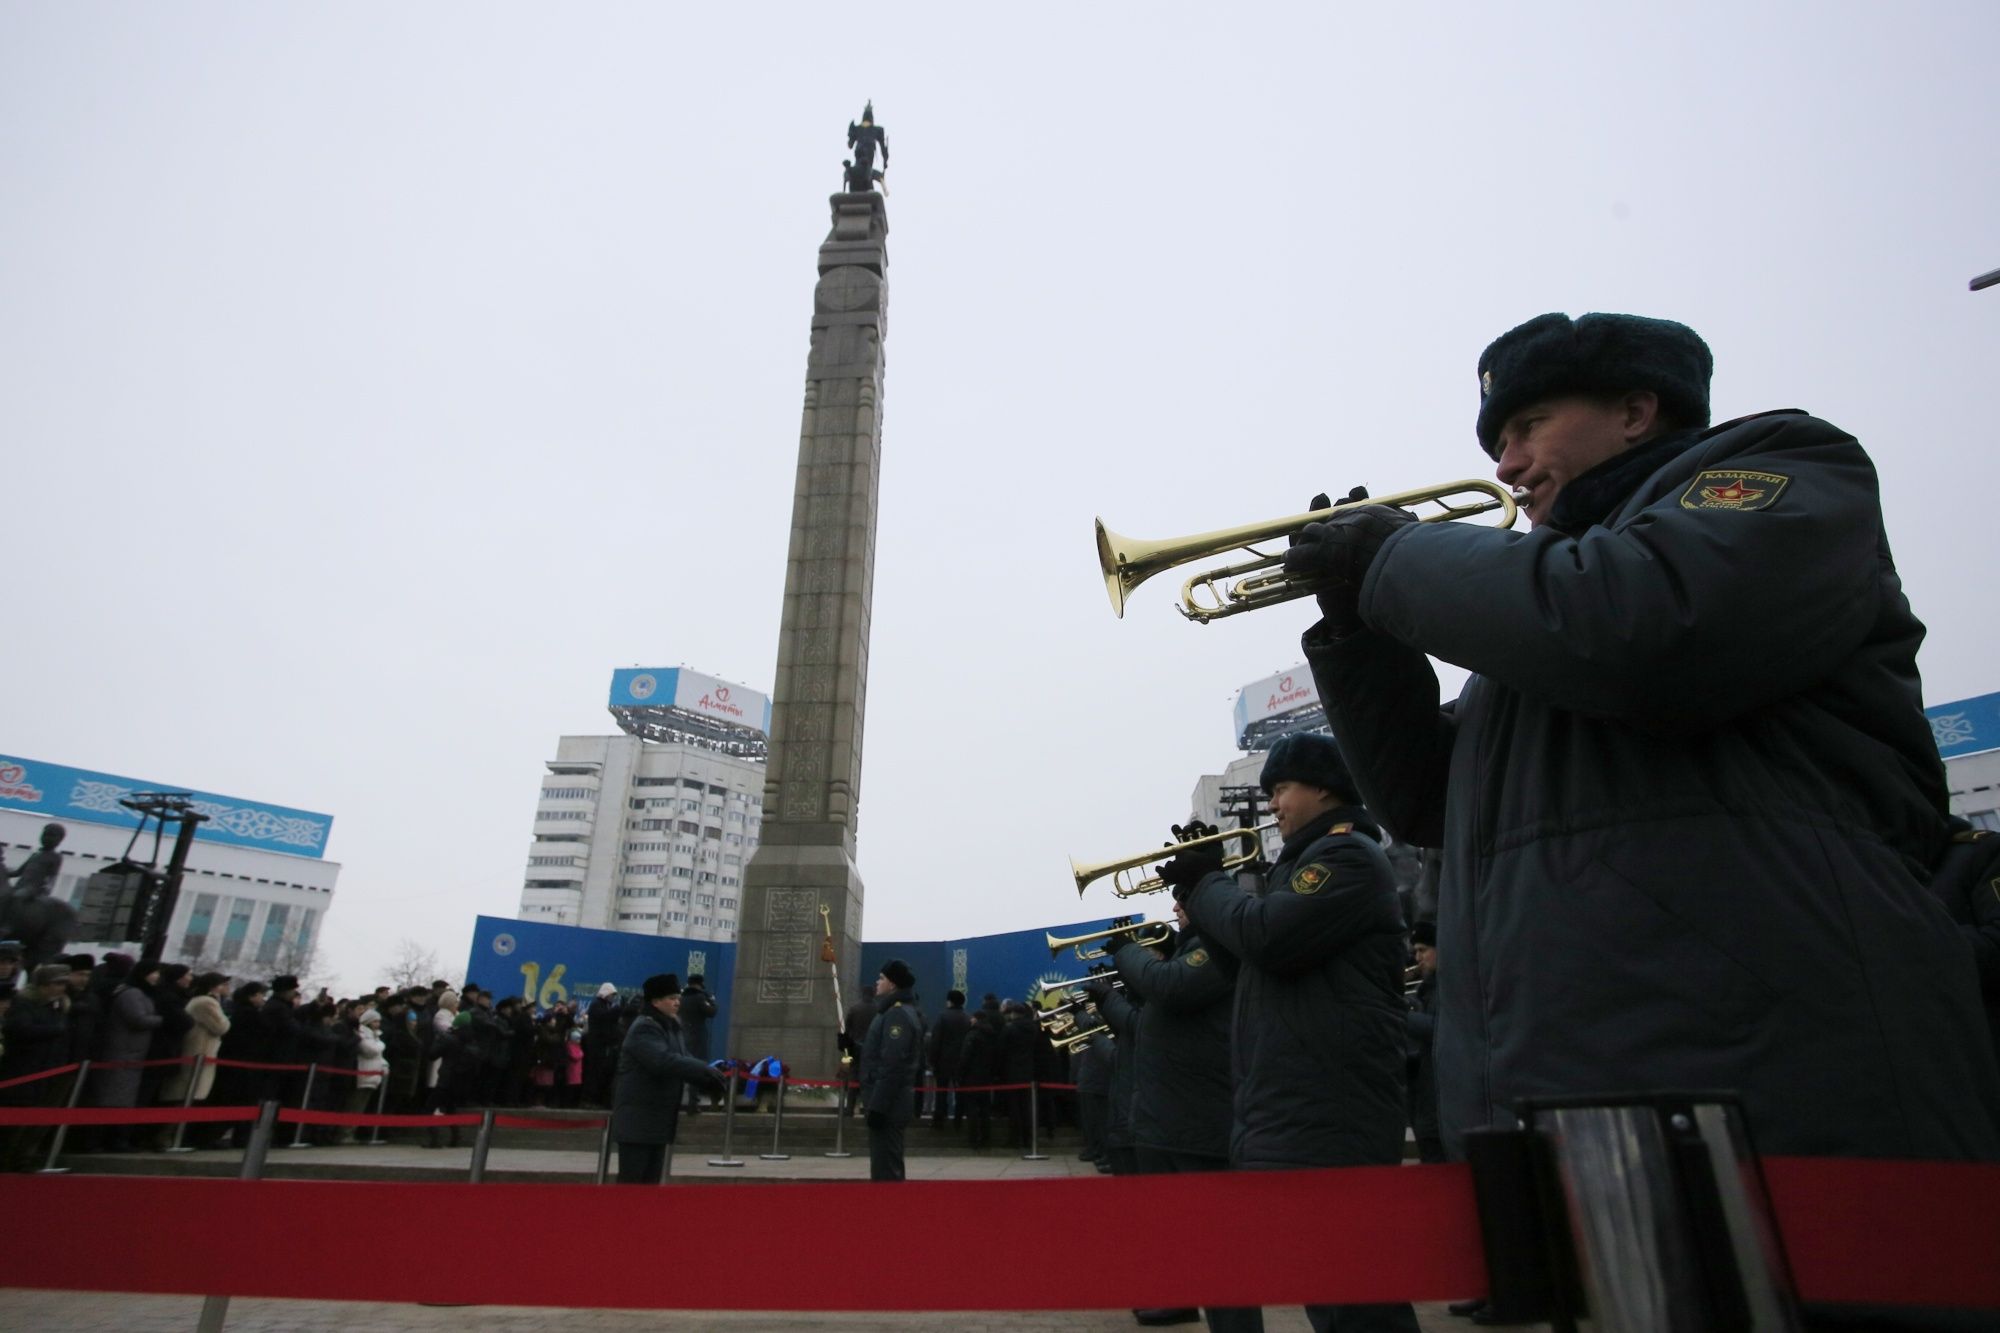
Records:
x=1734, y=490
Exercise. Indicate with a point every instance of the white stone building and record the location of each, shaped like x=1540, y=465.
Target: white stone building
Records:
x=650, y=831
x=256, y=886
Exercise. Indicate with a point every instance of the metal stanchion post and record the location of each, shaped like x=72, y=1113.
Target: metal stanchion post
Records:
x=1034, y=1153
x=728, y=1157
x=839, y=1122
x=604, y=1151
x=375, y=1139
x=777, y=1125
x=305, y=1101
x=667, y=1166
x=215, y=1309
x=49, y=1168
x=180, y=1130
x=481, y=1146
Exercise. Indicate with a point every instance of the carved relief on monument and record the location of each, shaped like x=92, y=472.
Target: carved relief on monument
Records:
x=784, y=992
x=849, y=288
x=790, y=909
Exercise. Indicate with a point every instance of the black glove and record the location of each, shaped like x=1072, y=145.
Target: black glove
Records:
x=1335, y=555
x=717, y=1085
x=1193, y=864
x=1096, y=988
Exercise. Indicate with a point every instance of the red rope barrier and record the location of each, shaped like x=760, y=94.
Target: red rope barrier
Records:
x=122, y=1115
x=545, y=1122
x=359, y=1121
x=57, y=1072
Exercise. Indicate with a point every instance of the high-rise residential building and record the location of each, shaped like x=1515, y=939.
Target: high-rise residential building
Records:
x=648, y=831
x=257, y=882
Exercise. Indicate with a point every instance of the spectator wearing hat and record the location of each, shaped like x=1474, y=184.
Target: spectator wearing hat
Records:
x=1421, y=1024
x=892, y=1055
x=1688, y=799
x=698, y=1008
x=1317, y=1045
x=947, y=1051
x=207, y=1026
x=36, y=1031
x=654, y=1067
x=600, y=1044
x=122, y=1043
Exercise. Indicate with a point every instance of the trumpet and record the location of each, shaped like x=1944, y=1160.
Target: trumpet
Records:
x=1116, y=982
x=1126, y=888
x=1148, y=933
x=1127, y=562
x=1069, y=1041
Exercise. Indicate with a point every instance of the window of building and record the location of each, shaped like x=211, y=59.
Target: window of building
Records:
x=646, y=870
x=274, y=933
x=688, y=826
x=567, y=793
x=652, y=824
x=552, y=860
x=1986, y=819
x=238, y=928
x=677, y=916
x=729, y=904
x=690, y=805
x=653, y=782
x=679, y=895
x=683, y=872
x=561, y=814
x=195, y=943
x=308, y=918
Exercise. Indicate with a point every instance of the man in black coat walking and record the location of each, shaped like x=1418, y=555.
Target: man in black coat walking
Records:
x=653, y=1068
x=947, y=1050
x=697, y=1008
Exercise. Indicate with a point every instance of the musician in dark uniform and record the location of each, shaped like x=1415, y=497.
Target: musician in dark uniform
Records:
x=1317, y=1043
x=1688, y=801
x=1181, y=1103
x=892, y=1055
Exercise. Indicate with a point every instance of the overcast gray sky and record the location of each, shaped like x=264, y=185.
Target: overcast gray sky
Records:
x=375, y=379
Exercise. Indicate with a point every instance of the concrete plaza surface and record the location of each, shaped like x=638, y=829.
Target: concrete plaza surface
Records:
x=105, y=1312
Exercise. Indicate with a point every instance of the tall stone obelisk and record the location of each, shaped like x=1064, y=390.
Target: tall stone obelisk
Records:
x=784, y=1002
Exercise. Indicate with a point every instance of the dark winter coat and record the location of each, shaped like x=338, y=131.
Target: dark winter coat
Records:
x=947, y=1043
x=892, y=1058
x=1122, y=1017
x=124, y=1037
x=1017, y=1048
x=979, y=1063
x=654, y=1069
x=1180, y=1077
x=1687, y=802
x=1316, y=1049
x=1422, y=1027
x=37, y=1038
x=697, y=1008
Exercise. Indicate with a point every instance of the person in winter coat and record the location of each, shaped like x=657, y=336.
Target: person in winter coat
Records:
x=853, y=1032
x=653, y=1067
x=892, y=1057
x=600, y=1045
x=36, y=1032
x=1018, y=1040
x=1688, y=800
x=247, y=1040
x=947, y=1050
x=124, y=1038
x=202, y=1042
x=1421, y=1025
x=371, y=1064
x=403, y=1051
x=1317, y=1040
x=978, y=1070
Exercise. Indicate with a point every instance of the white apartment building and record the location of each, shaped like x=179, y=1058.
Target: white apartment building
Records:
x=256, y=886
x=650, y=831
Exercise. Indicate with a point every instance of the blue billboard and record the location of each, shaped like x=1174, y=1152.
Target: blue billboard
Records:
x=1966, y=727
x=60, y=793
x=691, y=692
x=547, y=964
x=1011, y=966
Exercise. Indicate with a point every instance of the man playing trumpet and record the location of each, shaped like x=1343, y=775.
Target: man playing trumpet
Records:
x=1688, y=800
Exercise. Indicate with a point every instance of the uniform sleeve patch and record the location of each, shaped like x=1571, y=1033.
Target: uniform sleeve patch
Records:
x=1196, y=957
x=895, y=1030
x=1309, y=879
x=1734, y=490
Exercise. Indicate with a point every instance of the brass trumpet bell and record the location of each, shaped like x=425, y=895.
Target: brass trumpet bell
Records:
x=1148, y=933
x=1126, y=562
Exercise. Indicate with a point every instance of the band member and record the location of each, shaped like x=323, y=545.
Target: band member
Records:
x=892, y=1055
x=1688, y=800
x=1317, y=1046
x=1181, y=1105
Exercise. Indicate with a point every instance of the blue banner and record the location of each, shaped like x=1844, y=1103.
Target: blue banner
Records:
x=1966, y=727
x=60, y=793
x=547, y=964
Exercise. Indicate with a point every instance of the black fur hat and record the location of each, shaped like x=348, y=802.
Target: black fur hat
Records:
x=1425, y=933
x=1553, y=354
x=899, y=974
x=660, y=986
x=1311, y=757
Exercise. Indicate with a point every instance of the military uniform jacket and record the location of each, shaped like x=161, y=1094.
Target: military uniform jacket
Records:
x=1317, y=1046
x=892, y=1055
x=1180, y=1073
x=1122, y=1017
x=1686, y=802
x=654, y=1068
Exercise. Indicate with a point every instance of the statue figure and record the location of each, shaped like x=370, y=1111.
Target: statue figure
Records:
x=862, y=174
